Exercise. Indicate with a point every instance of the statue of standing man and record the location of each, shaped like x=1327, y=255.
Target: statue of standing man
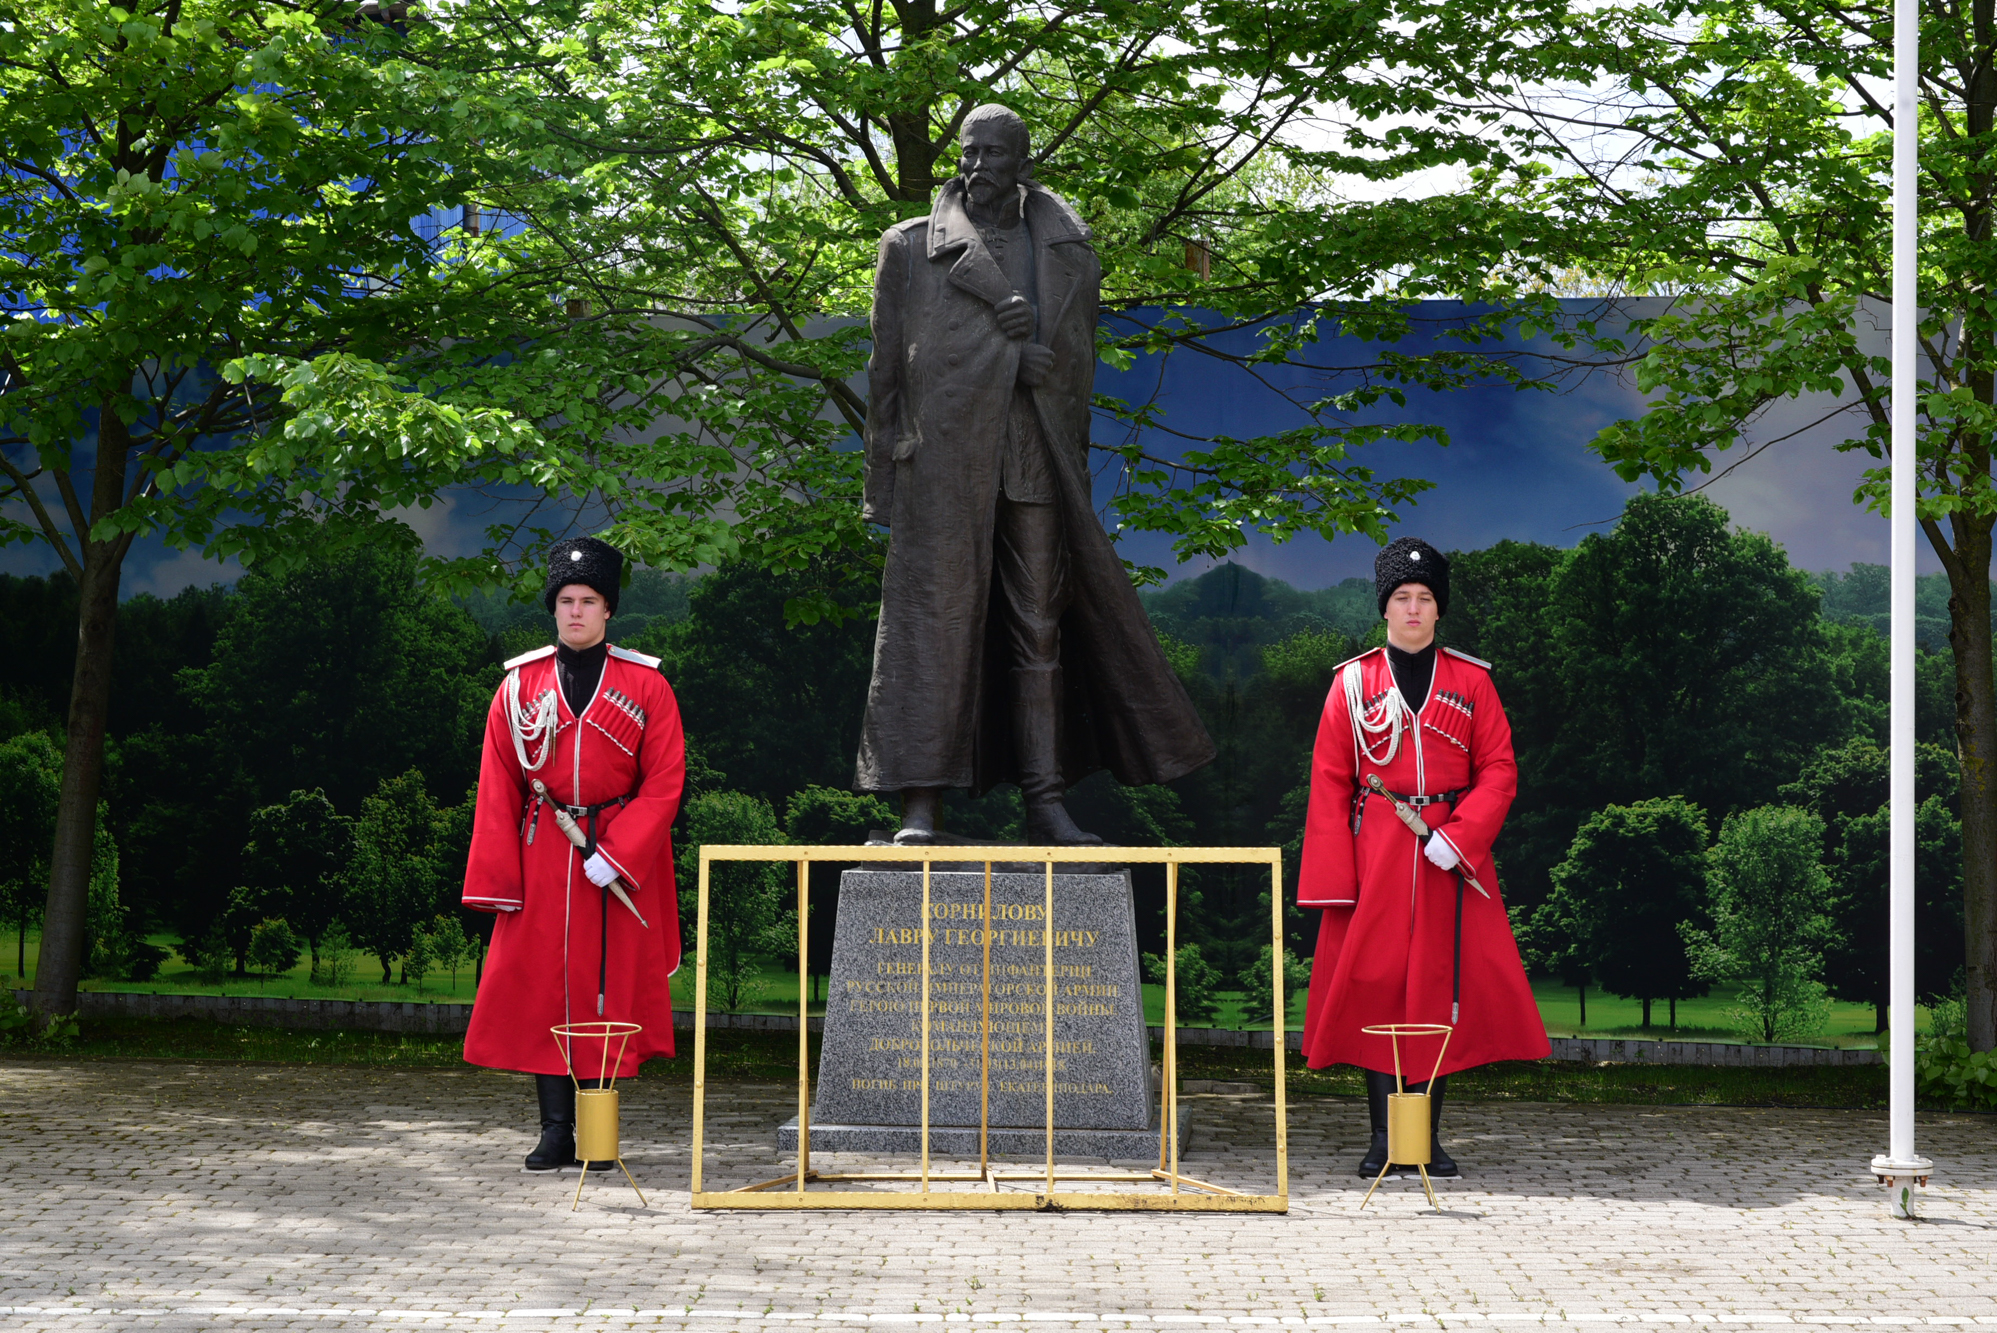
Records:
x=1011, y=646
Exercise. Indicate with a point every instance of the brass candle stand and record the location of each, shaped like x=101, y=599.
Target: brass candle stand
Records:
x=1409, y=1136
x=596, y=1108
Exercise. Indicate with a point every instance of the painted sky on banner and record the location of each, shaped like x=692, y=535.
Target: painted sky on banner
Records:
x=1517, y=466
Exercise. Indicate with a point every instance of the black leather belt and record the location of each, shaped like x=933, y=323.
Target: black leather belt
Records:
x=530, y=818
x=591, y=811
x=1440, y=798
x=1359, y=795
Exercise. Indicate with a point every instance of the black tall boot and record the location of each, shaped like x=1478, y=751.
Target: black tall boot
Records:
x=1440, y=1164
x=1036, y=740
x=1378, y=1086
x=557, y=1148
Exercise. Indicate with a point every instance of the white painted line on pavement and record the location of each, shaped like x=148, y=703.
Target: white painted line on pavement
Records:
x=1549, y=1319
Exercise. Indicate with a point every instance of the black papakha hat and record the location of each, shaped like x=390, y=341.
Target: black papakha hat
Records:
x=588, y=561
x=1411, y=560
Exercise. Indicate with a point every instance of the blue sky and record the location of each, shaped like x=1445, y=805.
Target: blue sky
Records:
x=1518, y=466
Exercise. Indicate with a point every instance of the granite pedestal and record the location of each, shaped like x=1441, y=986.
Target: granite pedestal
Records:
x=869, y=1092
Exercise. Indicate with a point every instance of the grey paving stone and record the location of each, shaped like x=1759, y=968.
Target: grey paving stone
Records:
x=229, y=1197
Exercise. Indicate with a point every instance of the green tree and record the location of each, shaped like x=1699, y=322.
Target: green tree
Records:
x=1692, y=659
x=748, y=163
x=248, y=907
x=335, y=967
x=1635, y=875
x=1258, y=660
x=229, y=334
x=274, y=948
x=1846, y=787
x=774, y=706
x=828, y=817
x=1500, y=611
x=1769, y=925
x=297, y=857
x=1747, y=174
x=342, y=672
x=1556, y=939
x=112, y=945
x=419, y=957
x=450, y=946
x=30, y=788
x=1197, y=984
x=1258, y=986
x=392, y=876
x=749, y=903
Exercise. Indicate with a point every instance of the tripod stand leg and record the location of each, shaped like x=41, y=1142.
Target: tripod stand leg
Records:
x=1430, y=1188
x=1376, y=1183
x=627, y=1175
x=579, y=1180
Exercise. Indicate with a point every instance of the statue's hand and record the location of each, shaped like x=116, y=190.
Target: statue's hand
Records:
x=1034, y=363
x=1015, y=316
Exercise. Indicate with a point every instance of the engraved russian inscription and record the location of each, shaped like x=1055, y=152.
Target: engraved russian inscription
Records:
x=870, y=1072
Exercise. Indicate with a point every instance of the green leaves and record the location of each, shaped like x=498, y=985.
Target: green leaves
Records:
x=1946, y=1071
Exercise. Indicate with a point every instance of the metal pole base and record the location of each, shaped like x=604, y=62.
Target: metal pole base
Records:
x=1905, y=1182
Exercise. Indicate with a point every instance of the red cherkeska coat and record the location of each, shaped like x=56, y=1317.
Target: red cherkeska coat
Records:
x=1385, y=941
x=553, y=931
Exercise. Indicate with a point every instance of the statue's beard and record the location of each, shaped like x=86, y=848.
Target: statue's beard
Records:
x=985, y=189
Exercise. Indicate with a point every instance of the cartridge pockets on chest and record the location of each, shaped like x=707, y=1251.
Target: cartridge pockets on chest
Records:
x=621, y=719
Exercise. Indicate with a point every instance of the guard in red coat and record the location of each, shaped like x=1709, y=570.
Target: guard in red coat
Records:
x=1413, y=929
x=598, y=727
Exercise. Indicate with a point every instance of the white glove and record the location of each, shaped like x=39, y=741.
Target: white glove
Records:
x=1439, y=853
x=601, y=872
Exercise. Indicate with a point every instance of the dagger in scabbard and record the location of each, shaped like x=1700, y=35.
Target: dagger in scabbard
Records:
x=573, y=832
x=1418, y=826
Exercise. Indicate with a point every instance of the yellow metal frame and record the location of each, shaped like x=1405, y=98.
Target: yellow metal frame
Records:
x=1184, y=1193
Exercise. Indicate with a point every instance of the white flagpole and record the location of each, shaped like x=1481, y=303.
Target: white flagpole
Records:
x=1899, y=1168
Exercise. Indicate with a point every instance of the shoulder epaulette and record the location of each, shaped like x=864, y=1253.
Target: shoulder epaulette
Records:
x=627, y=655
x=532, y=655
x=1474, y=661
x=1356, y=657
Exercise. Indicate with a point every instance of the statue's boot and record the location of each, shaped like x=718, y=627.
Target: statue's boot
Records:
x=557, y=1149
x=921, y=809
x=1378, y=1087
x=1036, y=740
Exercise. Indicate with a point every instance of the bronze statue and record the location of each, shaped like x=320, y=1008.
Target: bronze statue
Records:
x=1011, y=644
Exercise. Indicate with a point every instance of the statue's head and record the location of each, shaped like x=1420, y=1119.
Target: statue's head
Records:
x=994, y=152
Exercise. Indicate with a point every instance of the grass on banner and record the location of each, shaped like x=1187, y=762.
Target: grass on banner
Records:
x=774, y=991
x=767, y=1057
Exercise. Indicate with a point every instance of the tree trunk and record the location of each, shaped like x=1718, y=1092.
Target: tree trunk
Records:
x=1674, y=1013
x=1976, y=743
x=1879, y=1018
x=63, y=920
x=1646, y=1013
x=909, y=129
x=1583, y=988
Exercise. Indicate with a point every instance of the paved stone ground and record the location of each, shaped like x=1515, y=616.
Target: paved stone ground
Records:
x=138, y=1195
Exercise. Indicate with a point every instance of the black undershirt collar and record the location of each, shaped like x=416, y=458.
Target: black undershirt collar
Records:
x=1413, y=673
x=579, y=670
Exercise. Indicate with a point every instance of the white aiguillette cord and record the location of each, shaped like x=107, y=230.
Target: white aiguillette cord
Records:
x=1389, y=720
x=535, y=728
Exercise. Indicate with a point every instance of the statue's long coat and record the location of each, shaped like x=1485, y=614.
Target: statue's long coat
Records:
x=1386, y=943
x=941, y=381
x=557, y=936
